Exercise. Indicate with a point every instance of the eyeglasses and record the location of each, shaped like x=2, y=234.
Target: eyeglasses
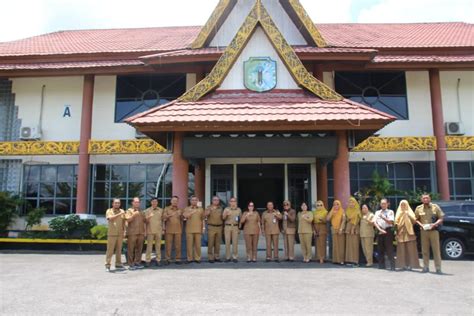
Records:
x=251, y=206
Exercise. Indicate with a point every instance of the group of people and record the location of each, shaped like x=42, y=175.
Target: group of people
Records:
x=350, y=229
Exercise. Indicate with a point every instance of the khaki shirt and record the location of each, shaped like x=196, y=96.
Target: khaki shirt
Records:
x=289, y=222
x=215, y=215
x=425, y=214
x=154, y=220
x=252, y=223
x=233, y=218
x=174, y=222
x=116, y=226
x=270, y=222
x=194, y=223
x=305, y=222
x=366, y=228
x=137, y=225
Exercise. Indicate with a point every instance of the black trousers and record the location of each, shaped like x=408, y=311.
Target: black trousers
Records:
x=385, y=246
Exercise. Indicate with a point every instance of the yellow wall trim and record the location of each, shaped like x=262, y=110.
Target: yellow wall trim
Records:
x=96, y=147
x=389, y=144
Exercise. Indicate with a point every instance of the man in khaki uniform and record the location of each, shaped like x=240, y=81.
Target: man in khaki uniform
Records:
x=194, y=217
x=135, y=234
x=289, y=230
x=116, y=219
x=154, y=231
x=429, y=216
x=271, y=230
x=213, y=215
x=172, y=216
x=231, y=216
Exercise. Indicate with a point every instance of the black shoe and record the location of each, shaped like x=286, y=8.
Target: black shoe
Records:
x=198, y=261
x=425, y=270
x=438, y=271
x=147, y=265
x=211, y=261
x=268, y=260
x=227, y=260
x=187, y=262
x=167, y=262
x=235, y=260
x=218, y=260
x=277, y=260
x=248, y=260
x=119, y=268
x=158, y=263
x=254, y=261
x=178, y=262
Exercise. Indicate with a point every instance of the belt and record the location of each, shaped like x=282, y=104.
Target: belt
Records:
x=231, y=224
x=214, y=225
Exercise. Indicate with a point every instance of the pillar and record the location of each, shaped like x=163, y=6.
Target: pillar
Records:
x=84, y=163
x=438, y=130
x=180, y=170
x=199, y=180
x=342, y=189
x=322, y=181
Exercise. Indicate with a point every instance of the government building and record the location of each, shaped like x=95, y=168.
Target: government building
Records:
x=259, y=103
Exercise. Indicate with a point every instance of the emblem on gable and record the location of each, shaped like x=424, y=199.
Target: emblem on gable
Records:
x=260, y=74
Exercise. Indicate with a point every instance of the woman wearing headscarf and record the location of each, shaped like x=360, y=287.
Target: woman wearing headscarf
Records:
x=367, y=234
x=353, y=216
x=305, y=231
x=407, y=253
x=320, y=230
x=338, y=220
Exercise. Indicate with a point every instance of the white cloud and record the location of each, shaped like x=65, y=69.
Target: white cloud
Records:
x=401, y=11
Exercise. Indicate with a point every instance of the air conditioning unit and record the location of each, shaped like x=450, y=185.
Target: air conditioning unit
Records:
x=140, y=135
x=30, y=133
x=454, y=128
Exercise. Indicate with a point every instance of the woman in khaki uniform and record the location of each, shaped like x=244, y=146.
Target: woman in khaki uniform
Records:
x=353, y=216
x=251, y=226
x=271, y=230
x=305, y=231
x=289, y=231
x=407, y=253
x=338, y=220
x=367, y=235
x=320, y=230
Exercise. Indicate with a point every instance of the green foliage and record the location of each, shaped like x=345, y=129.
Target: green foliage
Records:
x=379, y=189
x=99, y=232
x=71, y=226
x=34, y=216
x=414, y=197
x=9, y=205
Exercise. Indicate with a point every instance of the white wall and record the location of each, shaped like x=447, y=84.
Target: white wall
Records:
x=58, y=92
x=258, y=46
x=241, y=10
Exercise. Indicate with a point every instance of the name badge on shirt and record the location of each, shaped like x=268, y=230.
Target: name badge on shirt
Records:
x=274, y=220
x=236, y=218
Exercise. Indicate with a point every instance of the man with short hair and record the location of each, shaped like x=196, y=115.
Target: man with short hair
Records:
x=172, y=216
x=231, y=217
x=271, y=230
x=213, y=214
x=116, y=219
x=154, y=231
x=135, y=234
x=289, y=231
x=384, y=219
x=429, y=217
x=194, y=217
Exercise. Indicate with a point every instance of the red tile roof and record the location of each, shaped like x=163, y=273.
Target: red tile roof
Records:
x=240, y=106
x=70, y=65
x=160, y=39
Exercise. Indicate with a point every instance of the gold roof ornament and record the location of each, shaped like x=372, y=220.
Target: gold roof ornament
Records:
x=259, y=16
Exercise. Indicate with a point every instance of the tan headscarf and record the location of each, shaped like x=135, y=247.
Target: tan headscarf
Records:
x=353, y=214
x=320, y=213
x=404, y=219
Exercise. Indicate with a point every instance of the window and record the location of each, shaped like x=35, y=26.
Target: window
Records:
x=384, y=91
x=138, y=93
x=222, y=182
x=461, y=180
x=52, y=187
x=128, y=181
x=299, y=185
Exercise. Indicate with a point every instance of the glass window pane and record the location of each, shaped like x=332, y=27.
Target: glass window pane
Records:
x=101, y=190
x=47, y=189
x=136, y=189
x=100, y=206
x=48, y=173
x=63, y=189
x=153, y=172
x=422, y=169
x=118, y=189
x=31, y=190
x=31, y=204
x=48, y=205
x=404, y=185
x=119, y=172
x=32, y=173
x=151, y=190
x=424, y=185
x=65, y=173
x=366, y=170
x=462, y=170
x=137, y=173
x=63, y=206
x=101, y=173
x=404, y=170
x=463, y=187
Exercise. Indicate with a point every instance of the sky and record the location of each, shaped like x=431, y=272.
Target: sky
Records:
x=25, y=18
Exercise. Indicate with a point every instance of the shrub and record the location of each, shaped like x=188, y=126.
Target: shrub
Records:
x=99, y=232
x=9, y=205
x=72, y=226
x=34, y=217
